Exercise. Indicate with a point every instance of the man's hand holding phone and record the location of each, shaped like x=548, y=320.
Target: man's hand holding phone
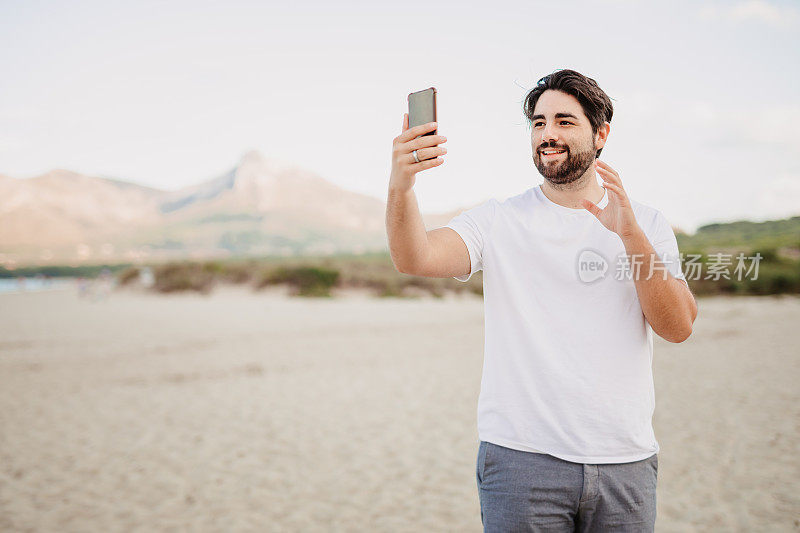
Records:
x=404, y=165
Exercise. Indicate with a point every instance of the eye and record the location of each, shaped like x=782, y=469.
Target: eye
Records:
x=537, y=124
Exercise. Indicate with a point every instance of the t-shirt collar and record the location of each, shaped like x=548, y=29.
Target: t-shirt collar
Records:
x=552, y=205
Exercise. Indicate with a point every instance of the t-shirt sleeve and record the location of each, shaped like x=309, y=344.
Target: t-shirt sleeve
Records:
x=666, y=246
x=473, y=226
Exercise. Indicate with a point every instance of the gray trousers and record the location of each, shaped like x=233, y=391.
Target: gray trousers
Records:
x=523, y=491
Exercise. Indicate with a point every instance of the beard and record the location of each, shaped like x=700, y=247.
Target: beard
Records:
x=569, y=168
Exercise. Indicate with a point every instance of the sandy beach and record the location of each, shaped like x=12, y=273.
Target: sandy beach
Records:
x=260, y=412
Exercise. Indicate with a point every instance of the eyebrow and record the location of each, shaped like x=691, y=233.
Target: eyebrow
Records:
x=558, y=115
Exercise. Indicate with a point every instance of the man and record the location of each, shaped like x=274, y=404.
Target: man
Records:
x=577, y=276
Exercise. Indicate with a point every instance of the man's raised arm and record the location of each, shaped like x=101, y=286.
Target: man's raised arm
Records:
x=408, y=240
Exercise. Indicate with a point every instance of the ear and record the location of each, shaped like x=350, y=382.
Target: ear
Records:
x=602, y=135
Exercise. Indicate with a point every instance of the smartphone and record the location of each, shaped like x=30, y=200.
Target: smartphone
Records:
x=422, y=108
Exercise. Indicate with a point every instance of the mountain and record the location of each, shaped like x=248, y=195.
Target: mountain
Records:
x=260, y=207
x=63, y=207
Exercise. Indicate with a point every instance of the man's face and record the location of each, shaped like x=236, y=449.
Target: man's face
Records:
x=559, y=124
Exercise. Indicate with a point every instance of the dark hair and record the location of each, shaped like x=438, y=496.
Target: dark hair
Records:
x=595, y=103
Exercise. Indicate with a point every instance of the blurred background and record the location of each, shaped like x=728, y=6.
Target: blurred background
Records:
x=200, y=324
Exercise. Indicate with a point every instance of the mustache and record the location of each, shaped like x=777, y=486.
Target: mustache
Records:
x=551, y=146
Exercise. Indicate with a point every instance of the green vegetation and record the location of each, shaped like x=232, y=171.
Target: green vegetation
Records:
x=777, y=242
x=305, y=281
x=61, y=271
x=746, y=235
x=186, y=276
x=306, y=276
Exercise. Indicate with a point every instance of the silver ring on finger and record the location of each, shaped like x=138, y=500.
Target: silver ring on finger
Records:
x=416, y=158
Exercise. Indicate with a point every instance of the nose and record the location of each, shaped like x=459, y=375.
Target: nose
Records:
x=549, y=134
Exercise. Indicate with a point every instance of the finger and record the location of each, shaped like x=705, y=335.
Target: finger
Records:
x=428, y=163
x=425, y=142
x=416, y=131
x=603, y=167
x=405, y=121
x=427, y=153
x=617, y=191
x=610, y=179
x=591, y=207
x=609, y=176
x=611, y=187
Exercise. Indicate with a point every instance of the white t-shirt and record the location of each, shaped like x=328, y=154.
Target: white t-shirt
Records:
x=568, y=353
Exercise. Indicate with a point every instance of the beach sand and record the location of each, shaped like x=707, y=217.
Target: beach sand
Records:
x=259, y=412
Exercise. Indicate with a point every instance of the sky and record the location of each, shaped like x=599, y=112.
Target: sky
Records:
x=169, y=94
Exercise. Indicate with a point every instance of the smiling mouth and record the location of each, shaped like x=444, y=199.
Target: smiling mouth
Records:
x=551, y=155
